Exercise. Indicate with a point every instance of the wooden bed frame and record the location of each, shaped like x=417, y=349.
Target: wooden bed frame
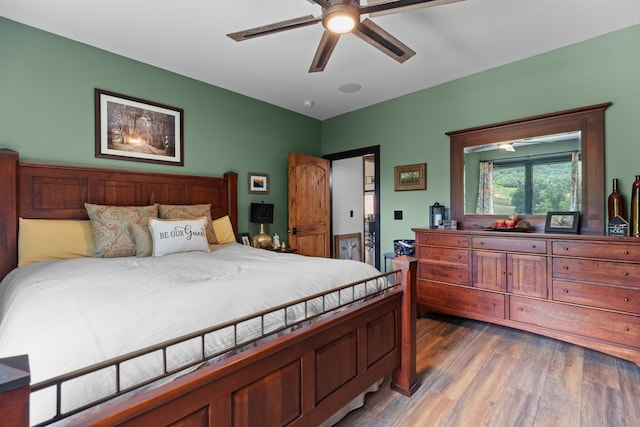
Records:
x=300, y=378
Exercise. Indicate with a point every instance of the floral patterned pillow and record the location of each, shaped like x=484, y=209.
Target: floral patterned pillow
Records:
x=189, y=212
x=111, y=227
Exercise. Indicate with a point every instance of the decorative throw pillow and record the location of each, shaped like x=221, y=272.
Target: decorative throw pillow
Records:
x=224, y=230
x=111, y=227
x=189, y=212
x=49, y=239
x=142, y=236
x=181, y=235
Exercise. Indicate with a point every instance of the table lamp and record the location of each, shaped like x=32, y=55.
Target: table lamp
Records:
x=262, y=213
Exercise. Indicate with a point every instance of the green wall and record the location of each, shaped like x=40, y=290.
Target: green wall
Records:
x=47, y=114
x=411, y=129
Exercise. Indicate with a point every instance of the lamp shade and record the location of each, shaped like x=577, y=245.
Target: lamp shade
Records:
x=262, y=213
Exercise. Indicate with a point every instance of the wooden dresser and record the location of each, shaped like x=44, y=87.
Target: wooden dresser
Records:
x=580, y=289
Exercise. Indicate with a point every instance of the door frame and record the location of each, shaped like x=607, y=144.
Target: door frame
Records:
x=360, y=152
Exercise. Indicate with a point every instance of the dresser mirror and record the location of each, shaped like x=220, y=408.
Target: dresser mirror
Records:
x=568, y=143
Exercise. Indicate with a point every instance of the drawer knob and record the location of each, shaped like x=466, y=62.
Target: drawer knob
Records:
x=459, y=242
x=566, y=267
x=626, y=252
x=493, y=304
x=626, y=299
x=566, y=291
x=459, y=276
x=459, y=257
x=482, y=243
x=426, y=270
x=533, y=246
x=626, y=329
x=426, y=291
x=520, y=308
x=625, y=273
x=566, y=249
x=504, y=273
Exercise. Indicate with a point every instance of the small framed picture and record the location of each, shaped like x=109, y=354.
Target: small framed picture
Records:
x=348, y=246
x=562, y=222
x=244, y=238
x=410, y=177
x=258, y=183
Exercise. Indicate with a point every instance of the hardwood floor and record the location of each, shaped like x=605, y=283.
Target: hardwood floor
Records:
x=477, y=374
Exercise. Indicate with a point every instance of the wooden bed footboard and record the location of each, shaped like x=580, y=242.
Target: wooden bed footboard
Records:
x=300, y=378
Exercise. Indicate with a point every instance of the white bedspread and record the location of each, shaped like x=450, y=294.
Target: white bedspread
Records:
x=73, y=313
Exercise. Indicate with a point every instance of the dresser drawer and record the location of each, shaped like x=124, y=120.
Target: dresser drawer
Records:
x=460, y=300
x=442, y=240
x=593, y=271
x=601, y=325
x=442, y=273
x=534, y=246
x=606, y=250
x=457, y=257
x=614, y=298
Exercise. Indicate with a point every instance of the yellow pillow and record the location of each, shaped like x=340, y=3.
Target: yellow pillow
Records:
x=224, y=230
x=49, y=239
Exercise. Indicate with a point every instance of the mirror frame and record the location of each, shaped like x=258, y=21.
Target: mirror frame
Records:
x=588, y=120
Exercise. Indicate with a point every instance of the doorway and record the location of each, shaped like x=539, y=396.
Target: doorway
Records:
x=355, y=198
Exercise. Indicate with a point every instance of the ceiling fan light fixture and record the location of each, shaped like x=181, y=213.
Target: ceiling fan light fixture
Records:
x=341, y=18
x=507, y=146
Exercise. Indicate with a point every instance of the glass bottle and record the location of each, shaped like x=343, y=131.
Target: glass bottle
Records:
x=635, y=208
x=615, y=202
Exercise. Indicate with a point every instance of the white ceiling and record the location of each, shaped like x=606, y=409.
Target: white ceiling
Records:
x=451, y=41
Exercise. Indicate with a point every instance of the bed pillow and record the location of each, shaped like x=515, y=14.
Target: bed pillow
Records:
x=111, y=227
x=142, y=236
x=180, y=235
x=224, y=230
x=189, y=212
x=49, y=239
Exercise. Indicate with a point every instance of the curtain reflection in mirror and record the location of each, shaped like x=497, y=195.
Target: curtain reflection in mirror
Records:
x=484, y=205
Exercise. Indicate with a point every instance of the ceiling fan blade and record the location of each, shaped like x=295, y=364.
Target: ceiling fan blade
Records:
x=385, y=42
x=325, y=48
x=383, y=7
x=289, y=24
x=324, y=3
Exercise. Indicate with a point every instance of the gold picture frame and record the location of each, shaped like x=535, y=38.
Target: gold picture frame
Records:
x=410, y=177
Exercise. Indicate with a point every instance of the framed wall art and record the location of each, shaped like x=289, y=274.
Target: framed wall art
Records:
x=258, y=183
x=348, y=246
x=128, y=128
x=410, y=177
x=562, y=222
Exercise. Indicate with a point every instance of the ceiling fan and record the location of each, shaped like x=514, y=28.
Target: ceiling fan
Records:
x=342, y=17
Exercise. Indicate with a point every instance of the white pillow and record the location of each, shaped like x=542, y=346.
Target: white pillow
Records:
x=174, y=236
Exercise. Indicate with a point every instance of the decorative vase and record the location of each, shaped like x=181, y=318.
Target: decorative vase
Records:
x=615, y=202
x=635, y=208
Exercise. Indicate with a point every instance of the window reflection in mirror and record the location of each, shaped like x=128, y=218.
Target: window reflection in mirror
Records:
x=529, y=176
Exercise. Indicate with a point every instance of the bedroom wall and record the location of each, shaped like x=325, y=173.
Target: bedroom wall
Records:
x=46, y=114
x=411, y=129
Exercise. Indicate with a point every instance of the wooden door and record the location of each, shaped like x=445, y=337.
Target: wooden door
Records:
x=309, y=210
x=490, y=270
x=527, y=275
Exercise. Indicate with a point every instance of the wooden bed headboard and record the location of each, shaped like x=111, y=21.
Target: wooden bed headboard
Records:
x=43, y=191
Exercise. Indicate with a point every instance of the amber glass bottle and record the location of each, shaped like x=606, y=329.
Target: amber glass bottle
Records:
x=615, y=202
x=635, y=208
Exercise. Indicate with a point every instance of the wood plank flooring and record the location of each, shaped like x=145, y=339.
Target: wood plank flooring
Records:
x=477, y=374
